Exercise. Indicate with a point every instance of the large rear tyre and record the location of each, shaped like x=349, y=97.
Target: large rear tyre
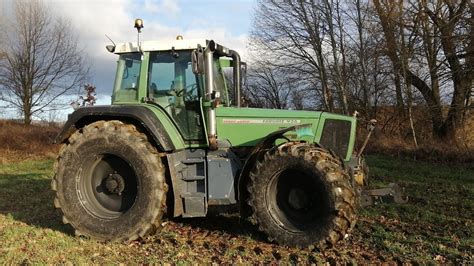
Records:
x=110, y=182
x=301, y=196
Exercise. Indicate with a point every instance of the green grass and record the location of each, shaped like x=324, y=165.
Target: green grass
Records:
x=436, y=225
x=437, y=222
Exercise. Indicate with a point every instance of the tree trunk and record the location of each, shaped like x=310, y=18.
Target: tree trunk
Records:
x=362, y=61
x=456, y=110
x=398, y=94
x=328, y=13
x=342, y=45
x=434, y=106
x=461, y=76
x=327, y=93
x=410, y=115
x=27, y=115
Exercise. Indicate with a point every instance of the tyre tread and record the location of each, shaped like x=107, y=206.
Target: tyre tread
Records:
x=339, y=181
x=137, y=138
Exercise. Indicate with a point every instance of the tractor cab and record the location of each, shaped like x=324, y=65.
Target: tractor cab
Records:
x=180, y=77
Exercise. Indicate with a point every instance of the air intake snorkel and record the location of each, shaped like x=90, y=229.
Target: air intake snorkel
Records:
x=237, y=76
x=223, y=51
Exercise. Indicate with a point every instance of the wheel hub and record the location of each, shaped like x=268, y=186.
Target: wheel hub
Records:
x=115, y=184
x=297, y=199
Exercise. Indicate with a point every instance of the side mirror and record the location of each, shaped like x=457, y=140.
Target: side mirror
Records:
x=197, y=58
x=110, y=48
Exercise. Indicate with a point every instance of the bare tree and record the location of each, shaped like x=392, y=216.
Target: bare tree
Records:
x=360, y=54
x=316, y=41
x=42, y=60
x=443, y=31
x=270, y=87
x=292, y=35
x=365, y=74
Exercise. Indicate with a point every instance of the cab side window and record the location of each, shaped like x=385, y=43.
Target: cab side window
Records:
x=128, y=77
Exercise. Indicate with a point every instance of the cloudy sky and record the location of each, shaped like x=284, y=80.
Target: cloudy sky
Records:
x=226, y=21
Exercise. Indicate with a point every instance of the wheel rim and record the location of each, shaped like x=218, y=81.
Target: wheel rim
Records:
x=108, y=186
x=297, y=199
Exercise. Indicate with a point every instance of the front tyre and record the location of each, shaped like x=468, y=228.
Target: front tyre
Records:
x=301, y=196
x=110, y=182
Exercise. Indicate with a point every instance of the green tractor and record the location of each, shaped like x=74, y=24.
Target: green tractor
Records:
x=176, y=140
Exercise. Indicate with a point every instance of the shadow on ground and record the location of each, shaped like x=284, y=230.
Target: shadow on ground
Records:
x=224, y=220
x=29, y=199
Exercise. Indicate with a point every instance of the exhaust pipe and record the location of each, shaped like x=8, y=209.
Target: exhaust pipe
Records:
x=209, y=79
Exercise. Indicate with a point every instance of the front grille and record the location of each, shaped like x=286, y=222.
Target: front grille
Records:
x=336, y=136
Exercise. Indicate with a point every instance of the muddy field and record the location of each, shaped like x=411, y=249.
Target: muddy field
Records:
x=436, y=225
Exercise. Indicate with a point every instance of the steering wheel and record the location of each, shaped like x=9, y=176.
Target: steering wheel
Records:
x=189, y=94
x=175, y=92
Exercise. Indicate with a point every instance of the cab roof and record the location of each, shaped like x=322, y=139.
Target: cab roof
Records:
x=165, y=45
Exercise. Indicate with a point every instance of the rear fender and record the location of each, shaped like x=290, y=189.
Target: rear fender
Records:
x=138, y=115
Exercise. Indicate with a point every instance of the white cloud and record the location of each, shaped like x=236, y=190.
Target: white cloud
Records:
x=92, y=19
x=166, y=7
x=222, y=37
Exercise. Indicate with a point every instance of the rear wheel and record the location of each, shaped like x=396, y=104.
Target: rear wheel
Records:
x=110, y=182
x=300, y=196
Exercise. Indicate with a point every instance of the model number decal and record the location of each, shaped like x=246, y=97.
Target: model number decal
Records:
x=261, y=121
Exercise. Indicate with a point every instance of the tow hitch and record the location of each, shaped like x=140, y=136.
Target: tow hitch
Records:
x=392, y=193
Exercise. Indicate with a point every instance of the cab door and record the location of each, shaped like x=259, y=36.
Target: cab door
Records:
x=173, y=85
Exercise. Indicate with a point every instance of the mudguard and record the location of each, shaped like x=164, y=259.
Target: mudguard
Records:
x=138, y=115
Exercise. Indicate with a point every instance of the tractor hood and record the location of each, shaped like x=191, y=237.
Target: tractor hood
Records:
x=247, y=126
x=272, y=114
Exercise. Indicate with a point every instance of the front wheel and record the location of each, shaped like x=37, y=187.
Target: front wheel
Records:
x=110, y=182
x=301, y=196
